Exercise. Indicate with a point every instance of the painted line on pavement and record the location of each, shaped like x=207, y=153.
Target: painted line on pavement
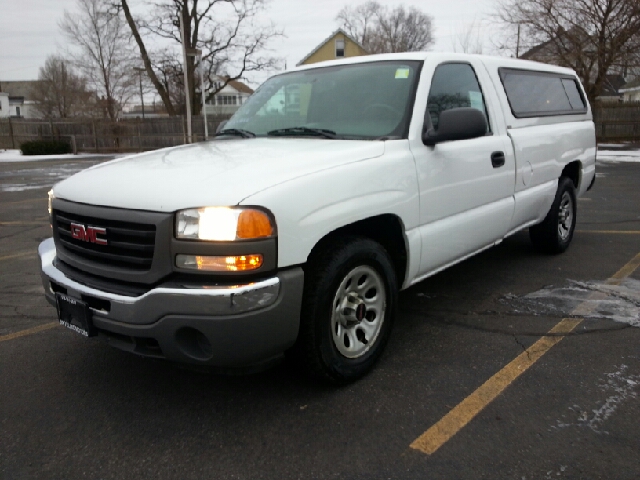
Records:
x=625, y=271
x=29, y=331
x=13, y=224
x=457, y=418
x=41, y=199
x=18, y=255
x=611, y=232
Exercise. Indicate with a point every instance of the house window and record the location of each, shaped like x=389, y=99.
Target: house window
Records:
x=17, y=111
x=227, y=100
x=340, y=48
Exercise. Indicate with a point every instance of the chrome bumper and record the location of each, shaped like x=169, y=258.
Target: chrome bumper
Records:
x=242, y=324
x=219, y=300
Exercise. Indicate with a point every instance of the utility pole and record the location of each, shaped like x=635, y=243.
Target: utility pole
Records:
x=187, y=97
x=197, y=53
x=518, y=43
x=203, y=93
x=140, y=70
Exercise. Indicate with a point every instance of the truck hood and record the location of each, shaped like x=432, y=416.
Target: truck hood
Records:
x=216, y=173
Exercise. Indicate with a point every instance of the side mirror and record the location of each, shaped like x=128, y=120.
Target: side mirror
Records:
x=221, y=126
x=456, y=124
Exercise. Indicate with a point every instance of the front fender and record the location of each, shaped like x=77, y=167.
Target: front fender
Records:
x=308, y=208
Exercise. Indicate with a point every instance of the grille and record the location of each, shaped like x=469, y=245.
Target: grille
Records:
x=130, y=245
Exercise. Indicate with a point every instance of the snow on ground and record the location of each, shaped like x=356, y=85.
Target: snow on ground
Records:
x=606, y=153
x=8, y=156
x=618, y=155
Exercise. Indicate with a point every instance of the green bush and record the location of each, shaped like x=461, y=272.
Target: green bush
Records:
x=45, y=147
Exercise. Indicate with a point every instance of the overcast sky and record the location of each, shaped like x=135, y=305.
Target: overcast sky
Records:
x=29, y=28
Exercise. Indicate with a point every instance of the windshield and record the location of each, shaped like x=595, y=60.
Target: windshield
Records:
x=355, y=101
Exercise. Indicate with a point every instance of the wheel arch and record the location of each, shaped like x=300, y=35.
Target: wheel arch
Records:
x=573, y=171
x=386, y=229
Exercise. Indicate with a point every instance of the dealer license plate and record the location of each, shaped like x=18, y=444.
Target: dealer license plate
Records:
x=75, y=315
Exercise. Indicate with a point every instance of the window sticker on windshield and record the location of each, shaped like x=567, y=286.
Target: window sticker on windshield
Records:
x=402, y=73
x=475, y=99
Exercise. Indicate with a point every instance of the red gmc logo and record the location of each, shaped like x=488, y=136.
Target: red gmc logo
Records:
x=88, y=234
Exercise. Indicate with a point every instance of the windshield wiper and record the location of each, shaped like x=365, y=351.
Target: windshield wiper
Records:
x=320, y=132
x=237, y=132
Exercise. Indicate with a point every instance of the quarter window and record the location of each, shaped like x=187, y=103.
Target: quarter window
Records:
x=538, y=94
x=454, y=85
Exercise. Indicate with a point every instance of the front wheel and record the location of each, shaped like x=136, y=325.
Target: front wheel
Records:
x=349, y=303
x=554, y=234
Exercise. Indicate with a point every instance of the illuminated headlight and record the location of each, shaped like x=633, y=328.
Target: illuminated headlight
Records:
x=223, y=224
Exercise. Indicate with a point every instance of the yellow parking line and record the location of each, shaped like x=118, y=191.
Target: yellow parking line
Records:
x=42, y=222
x=42, y=199
x=18, y=255
x=611, y=232
x=29, y=331
x=436, y=436
x=625, y=271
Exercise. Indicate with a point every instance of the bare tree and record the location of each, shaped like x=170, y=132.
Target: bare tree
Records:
x=104, y=54
x=593, y=37
x=361, y=23
x=60, y=92
x=233, y=41
x=381, y=30
x=469, y=38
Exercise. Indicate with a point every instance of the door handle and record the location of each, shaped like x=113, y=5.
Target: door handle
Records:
x=497, y=159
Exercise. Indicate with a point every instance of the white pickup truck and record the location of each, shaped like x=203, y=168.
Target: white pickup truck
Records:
x=332, y=188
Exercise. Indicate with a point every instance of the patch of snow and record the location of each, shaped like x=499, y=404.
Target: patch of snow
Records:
x=621, y=385
x=10, y=156
x=620, y=303
x=604, y=155
x=34, y=178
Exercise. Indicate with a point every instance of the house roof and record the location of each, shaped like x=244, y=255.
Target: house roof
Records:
x=612, y=85
x=238, y=85
x=321, y=44
x=18, y=88
x=549, y=47
x=631, y=86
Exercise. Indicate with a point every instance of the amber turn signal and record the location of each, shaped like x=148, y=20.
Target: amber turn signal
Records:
x=253, y=224
x=237, y=263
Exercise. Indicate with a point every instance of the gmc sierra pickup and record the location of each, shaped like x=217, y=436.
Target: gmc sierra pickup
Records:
x=332, y=188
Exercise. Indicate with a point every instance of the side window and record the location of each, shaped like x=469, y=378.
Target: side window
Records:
x=538, y=94
x=454, y=85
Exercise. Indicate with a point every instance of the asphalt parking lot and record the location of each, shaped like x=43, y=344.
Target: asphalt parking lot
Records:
x=469, y=386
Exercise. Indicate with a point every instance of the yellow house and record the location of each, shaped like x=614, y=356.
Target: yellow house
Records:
x=338, y=45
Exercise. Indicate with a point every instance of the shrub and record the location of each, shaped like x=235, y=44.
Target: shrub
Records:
x=45, y=147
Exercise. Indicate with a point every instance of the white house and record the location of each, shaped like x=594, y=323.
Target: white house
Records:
x=17, y=96
x=4, y=105
x=229, y=99
x=631, y=91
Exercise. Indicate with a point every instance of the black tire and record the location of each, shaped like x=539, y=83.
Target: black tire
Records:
x=329, y=276
x=554, y=234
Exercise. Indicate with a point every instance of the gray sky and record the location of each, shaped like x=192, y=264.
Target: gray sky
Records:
x=29, y=28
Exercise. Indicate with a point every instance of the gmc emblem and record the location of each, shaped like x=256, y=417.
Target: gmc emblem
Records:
x=88, y=234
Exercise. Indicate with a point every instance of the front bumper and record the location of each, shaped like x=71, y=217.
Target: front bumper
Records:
x=224, y=326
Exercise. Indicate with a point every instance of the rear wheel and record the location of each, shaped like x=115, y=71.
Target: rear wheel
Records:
x=554, y=234
x=349, y=303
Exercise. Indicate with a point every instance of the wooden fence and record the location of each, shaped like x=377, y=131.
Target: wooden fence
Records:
x=98, y=136
x=615, y=123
